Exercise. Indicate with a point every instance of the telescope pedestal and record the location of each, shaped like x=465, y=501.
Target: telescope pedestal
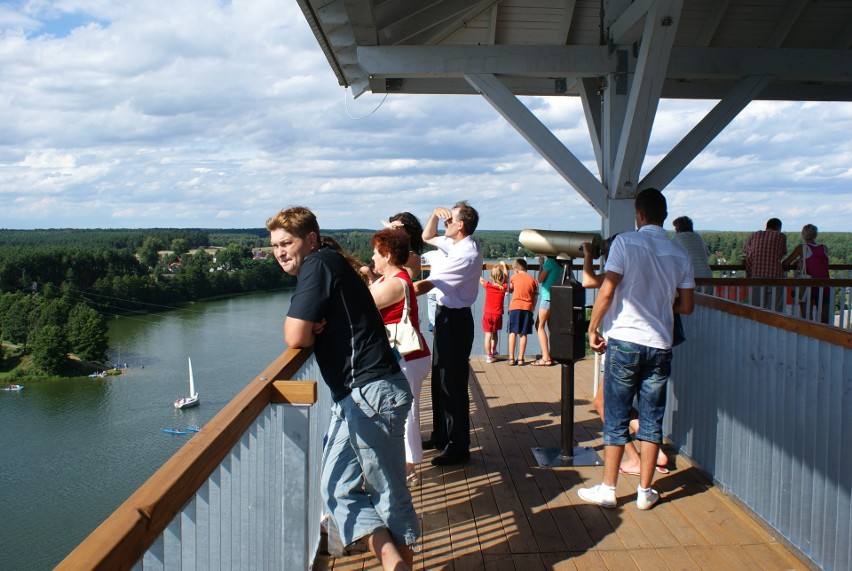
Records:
x=567, y=455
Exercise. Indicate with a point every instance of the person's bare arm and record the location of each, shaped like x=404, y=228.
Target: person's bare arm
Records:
x=602, y=305
x=387, y=292
x=430, y=231
x=685, y=301
x=590, y=278
x=300, y=333
x=413, y=265
x=423, y=286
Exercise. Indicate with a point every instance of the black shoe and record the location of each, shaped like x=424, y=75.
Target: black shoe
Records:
x=433, y=445
x=449, y=457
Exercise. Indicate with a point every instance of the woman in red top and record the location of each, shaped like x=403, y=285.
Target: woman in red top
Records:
x=816, y=266
x=390, y=253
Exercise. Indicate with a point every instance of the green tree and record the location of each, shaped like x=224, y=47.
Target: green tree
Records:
x=15, y=319
x=50, y=349
x=234, y=256
x=180, y=246
x=148, y=253
x=87, y=333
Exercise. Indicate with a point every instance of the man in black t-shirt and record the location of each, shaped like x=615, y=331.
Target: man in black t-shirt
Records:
x=363, y=471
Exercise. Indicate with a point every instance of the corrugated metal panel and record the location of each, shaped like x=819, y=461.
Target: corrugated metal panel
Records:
x=768, y=414
x=261, y=507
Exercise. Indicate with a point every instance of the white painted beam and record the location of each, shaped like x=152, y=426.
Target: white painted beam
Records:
x=541, y=139
x=657, y=40
x=628, y=28
x=572, y=61
x=711, y=23
x=785, y=23
x=703, y=133
x=591, y=97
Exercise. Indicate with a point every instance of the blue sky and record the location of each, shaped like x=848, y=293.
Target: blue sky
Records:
x=211, y=114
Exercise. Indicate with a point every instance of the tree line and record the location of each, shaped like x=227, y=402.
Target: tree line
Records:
x=58, y=288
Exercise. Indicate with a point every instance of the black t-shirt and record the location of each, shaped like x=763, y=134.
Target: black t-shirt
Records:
x=353, y=349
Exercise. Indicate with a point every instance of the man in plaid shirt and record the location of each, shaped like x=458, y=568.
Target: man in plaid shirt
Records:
x=763, y=253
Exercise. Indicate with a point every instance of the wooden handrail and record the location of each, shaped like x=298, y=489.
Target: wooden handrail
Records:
x=819, y=331
x=126, y=534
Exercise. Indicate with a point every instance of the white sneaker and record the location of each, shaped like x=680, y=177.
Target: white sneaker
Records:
x=489, y=359
x=644, y=500
x=601, y=495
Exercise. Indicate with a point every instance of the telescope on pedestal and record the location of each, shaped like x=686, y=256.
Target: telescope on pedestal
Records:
x=568, y=326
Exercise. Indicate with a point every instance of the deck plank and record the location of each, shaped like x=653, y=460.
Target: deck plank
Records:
x=502, y=511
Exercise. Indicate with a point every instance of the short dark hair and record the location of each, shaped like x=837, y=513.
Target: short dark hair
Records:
x=773, y=224
x=652, y=204
x=468, y=216
x=393, y=241
x=682, y=224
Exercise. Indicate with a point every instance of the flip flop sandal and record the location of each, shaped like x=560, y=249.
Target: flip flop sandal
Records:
x=512, y=362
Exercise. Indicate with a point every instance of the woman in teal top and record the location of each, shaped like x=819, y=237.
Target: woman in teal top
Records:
x=550, y=272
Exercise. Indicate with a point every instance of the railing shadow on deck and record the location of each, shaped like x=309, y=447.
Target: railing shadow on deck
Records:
x=762, y=402
x=222, y=501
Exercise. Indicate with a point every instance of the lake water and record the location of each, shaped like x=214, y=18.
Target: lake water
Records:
x=74, y=450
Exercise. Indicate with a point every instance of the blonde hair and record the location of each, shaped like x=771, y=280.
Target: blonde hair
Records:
x=809, y=232
x=498, y=276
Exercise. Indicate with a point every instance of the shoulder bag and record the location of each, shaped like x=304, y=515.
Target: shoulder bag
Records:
x=403, y=336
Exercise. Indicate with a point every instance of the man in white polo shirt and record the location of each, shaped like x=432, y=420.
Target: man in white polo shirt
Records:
x=456, y=280
x=648, y=279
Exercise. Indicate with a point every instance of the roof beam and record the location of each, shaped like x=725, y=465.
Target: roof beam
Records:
x=711, y=23
x=657, y=40
x=628, y=28
x=704, y=132
x=435, y=20
x=541, y=139
x=589, y=61
x=785, y=23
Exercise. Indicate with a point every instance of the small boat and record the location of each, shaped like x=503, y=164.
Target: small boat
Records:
x=192, y=399
x=192, y=428
x=14, y=388
x=173, y=431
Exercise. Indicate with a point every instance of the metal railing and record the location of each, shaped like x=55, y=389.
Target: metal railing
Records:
x=243, y=493
x=761, y=402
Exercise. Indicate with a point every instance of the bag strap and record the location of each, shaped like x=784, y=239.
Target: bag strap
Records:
x=407, y=309
x=805, y=250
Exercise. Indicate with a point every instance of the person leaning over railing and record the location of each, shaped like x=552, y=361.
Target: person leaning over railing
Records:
x=814, y=261
x=363, y=465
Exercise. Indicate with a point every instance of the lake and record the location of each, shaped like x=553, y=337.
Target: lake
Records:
x=74, y=450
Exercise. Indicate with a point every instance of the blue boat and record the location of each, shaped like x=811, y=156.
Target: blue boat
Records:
x=173, y=431
x=14, y=388
x=192, y=428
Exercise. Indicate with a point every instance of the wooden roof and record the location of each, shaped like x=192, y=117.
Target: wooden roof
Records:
x=544, y=47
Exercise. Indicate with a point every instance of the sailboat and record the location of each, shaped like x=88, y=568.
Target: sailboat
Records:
x=192, y=399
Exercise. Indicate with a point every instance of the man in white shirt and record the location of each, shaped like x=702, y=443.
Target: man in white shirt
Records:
x=648, y=279
x=456, y=280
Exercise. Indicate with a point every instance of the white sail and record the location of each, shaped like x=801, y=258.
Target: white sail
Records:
x=191, y=380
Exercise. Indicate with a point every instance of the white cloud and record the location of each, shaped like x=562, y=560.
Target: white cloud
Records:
x=216, y=114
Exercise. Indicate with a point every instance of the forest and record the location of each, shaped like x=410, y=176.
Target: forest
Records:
x=59, y=287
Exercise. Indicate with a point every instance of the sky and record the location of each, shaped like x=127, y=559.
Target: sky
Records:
x=214, y=114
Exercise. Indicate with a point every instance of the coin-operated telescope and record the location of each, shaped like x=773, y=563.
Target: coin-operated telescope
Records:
x=560, y=245
x=568, y=326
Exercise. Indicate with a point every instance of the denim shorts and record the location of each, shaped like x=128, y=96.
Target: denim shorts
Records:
x=633, y=370
x=363, y=469
x=544, y=305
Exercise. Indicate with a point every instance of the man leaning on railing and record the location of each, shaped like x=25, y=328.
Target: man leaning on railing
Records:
x=363, y=468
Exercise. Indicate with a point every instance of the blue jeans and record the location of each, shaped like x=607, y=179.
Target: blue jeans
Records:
x=363, y=469
x=634, y=370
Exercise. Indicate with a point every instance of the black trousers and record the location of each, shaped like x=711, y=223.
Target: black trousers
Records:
x=453, y=341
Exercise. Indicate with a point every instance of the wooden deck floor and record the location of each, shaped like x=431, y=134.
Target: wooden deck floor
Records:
x=502, y=511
